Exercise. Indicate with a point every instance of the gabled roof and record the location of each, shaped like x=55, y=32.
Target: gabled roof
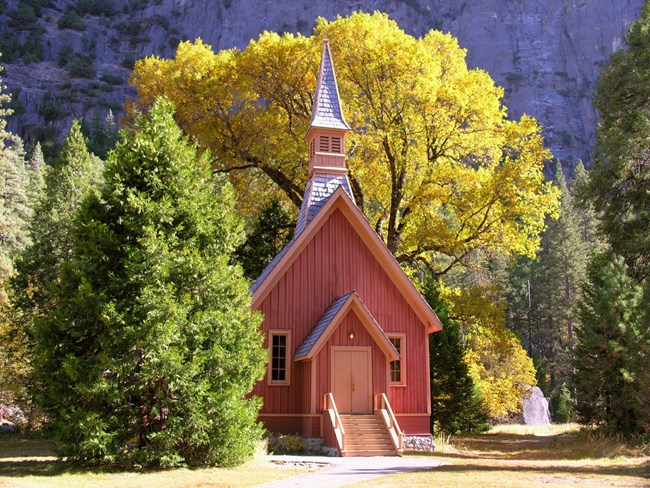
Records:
x=326, y=112
x=333, y=317
x=319, y=188
x=340, y=200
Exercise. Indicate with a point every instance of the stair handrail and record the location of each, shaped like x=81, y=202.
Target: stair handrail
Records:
x=330, y=405
x=391, y=422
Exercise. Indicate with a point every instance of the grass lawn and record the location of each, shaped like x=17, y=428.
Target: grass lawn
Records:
x=31, y=463
x=519, y=456
x=507, y=456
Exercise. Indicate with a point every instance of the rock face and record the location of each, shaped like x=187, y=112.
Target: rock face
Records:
x=547, y=54
x=536, y=408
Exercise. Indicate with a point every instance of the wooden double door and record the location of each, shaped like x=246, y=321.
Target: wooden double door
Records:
x=352, y=379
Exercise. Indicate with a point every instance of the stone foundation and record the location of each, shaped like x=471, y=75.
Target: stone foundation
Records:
x=315, y=445
x=418, y=443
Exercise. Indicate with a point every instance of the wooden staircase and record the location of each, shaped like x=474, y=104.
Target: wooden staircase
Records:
x=366, y=435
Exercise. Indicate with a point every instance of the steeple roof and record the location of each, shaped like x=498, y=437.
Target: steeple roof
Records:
x=326, y=111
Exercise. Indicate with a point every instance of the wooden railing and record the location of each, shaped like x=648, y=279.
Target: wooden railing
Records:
x=383, y=406
x=329, y=405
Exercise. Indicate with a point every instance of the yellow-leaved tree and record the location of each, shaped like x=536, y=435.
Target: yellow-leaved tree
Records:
x=435, y=164
x=497, y=362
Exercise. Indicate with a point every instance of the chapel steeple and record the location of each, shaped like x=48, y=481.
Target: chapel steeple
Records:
x=326, y=138
x=327, y=130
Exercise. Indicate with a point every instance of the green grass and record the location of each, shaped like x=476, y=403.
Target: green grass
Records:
x=530, y=457
x=32, y=463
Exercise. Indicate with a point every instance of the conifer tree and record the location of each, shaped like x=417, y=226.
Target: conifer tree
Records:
x=620, y=179
x=544, y=292
x=18, y=191
x=587, y=215
x=57, y=197
x=555, y=287
x=76, y=173
x=456, y=404
x=612, y=349
x=153, y=346
x=272, y=230
x=15, y=210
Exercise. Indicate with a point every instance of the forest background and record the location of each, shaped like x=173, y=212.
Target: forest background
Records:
x=539, y=283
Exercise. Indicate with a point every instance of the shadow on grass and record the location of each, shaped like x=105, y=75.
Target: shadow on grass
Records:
x=568, y=446
x=52, y=468
x=20, y=457
x=641, y=471
x=17, y=469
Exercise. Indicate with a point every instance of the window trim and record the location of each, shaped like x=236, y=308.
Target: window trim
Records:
x=402, y=356
x=288, y=359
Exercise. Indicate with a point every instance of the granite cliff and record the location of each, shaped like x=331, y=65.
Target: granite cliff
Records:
x=71, y=59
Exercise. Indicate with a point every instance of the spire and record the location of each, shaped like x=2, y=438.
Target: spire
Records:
x=326, y=138
x=327, y=130
x=326, y=111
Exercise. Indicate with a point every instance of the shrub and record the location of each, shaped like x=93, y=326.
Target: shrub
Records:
x=112, y=79
x=52, y=109
x=23, y=16
x=64, y=55
x=160, y=20
x=128, y=28
x=95, y=7
x=286, y=444
x=128, y=62
x=70, y=20
x=81, y=67
x=562, y=406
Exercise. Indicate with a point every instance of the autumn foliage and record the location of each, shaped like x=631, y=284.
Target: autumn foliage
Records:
x=435, y=164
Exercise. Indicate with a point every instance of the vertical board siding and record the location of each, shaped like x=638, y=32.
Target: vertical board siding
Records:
x=334, y=263
x=362, y=338
x=305, y=426
x=414, y=424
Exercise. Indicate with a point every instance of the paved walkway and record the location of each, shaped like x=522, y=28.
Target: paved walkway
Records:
x=343, y=471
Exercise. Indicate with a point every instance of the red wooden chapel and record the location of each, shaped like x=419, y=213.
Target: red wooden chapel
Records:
x=347, y=331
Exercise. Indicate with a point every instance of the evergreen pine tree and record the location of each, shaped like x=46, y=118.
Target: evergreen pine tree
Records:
x=456, y=405
x=153, y=346
x=15, y=205
x=559, y=269
x=612, y=348
x=544, y=292
x=102, y=134
x=587, y=216
x=76, y=173
x=620, y=178
x=272, y=230
x=17, y=195
x=36, y=169
x=58, y=196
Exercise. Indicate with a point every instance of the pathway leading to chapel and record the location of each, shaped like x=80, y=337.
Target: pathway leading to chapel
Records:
x=343, y=471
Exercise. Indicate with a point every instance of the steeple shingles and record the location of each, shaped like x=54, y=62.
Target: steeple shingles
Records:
x=327, y=122
x=326, y=110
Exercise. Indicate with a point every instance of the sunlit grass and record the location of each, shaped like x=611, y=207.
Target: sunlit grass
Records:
x=553, y=429
x=524, y=456
x=31, y=463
